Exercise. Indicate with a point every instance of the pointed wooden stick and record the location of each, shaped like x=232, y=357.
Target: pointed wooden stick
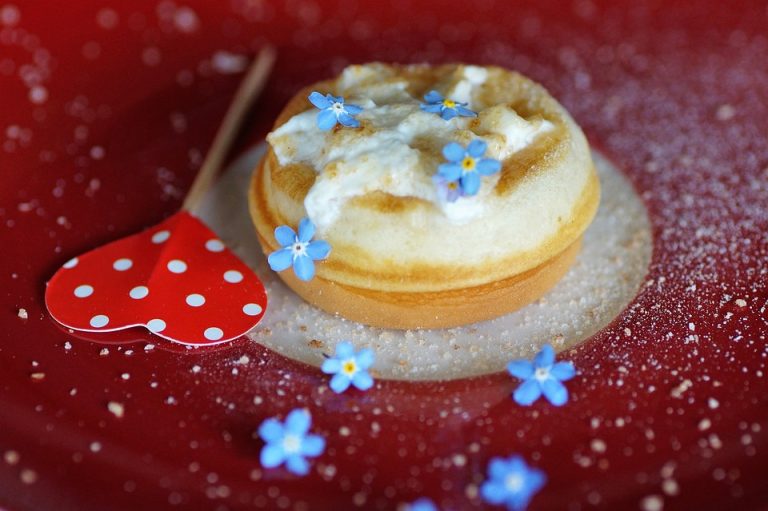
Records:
x=249, y=90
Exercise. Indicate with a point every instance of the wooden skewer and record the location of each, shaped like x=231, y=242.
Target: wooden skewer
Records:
x=249, y=90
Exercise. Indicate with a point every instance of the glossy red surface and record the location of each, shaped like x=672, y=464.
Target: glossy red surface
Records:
x=671, y=405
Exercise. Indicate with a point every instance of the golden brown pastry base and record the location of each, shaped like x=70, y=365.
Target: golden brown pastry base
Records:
x=442, y=309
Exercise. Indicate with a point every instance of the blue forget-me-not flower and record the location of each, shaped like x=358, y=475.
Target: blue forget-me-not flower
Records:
x=290, y=442
x=298, y=250
x=467, y=165
x=511, y=482
x=542, y=376
x=435, y=103
x=349, y=368
x=333, y=110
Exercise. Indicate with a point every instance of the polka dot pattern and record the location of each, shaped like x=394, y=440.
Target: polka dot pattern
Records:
x=122, y=264
x=156, y=325
x=178, y=279
x=139, y=292
x=213, y=333
x=177, y=266
x=195, y=300
x=83, y=291
x=233, y=276
x=214, y=245
x=160, y=237
x=252, y=309
x=99, y=321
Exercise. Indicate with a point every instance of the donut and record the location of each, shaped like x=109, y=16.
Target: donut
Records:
x=443, y=195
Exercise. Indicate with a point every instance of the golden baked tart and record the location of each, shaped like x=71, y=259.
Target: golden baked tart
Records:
x=430, y=196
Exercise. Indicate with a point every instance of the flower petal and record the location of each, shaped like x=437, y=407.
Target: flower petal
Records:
x=285, y=236
x=271, y=430
x=318, y=250
x=477, y=148
x=545, y=357
x=522, y=369
x=563, y=371
x=306, y=230
x=497, y=468
x=353, y=109
x=448, y=113
x=466, y=112
x=326, y=120
x=304, y=268
x=449, y=171
x=297, y=464
x=554, y=391
x=422, y=504
x=340, y=382
x=331, y=366
x=271, y=456
x=493, y=492
x=365, y=358
x=433, y=97
x=347, y=120
x=280, y=260
x=319, y=100
x=488, y=166
x=528, y=392
x=362, y=380
x=536, y=479
x=313, y=445
x=344, y=350
x=470, y=183
x=453, y=152
x=298, y=422
x=433, y=109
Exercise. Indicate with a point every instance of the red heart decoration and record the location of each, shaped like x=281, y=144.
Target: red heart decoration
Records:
x=177, y=279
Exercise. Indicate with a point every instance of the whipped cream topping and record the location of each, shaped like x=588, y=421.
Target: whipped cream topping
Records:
x=399, y=147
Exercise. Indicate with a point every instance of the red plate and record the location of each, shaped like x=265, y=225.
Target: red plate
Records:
x=104, y=116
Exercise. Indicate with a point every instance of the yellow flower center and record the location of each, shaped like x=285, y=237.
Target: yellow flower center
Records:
x=449, y=103
x=349, y=367
x=291, y=443
x=468, y=163
x=453, y=185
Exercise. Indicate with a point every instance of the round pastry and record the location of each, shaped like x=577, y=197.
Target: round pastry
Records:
x=448, y=194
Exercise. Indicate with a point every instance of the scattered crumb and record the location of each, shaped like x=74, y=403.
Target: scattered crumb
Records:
x=37, y=376
x=741, y=302
x=104, y=352
x=116, y=409
x=23, y=313
x=314, y=343
x=28, y=476
x=11, y=457
x=67, y=345
x=149, y=347
x=95, y=446
x=652, y=503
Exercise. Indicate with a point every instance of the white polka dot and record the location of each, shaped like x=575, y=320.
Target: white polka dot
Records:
x=160, y=237
x=213, y=333
x=71, y=263
x=195, y=300
x=214, y=245
x=83, y=291
x=177, y=266
x=232, y=276
x=252, y=309
x=99, y=321
x=122, y=264
x=139, y=292
x=156, y=325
